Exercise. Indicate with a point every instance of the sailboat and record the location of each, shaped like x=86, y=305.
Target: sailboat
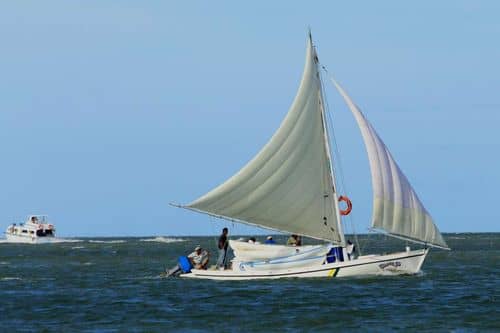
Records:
x=290, y=186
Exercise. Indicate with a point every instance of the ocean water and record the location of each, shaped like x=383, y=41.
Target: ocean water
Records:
x=114, y=285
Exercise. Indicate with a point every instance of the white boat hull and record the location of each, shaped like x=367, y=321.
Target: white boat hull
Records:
x=408, y=262
x=29, y=239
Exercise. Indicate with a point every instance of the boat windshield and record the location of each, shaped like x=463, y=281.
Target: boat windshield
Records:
x=38, y=219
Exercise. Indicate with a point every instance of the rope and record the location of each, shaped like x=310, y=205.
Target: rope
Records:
x=213, y=224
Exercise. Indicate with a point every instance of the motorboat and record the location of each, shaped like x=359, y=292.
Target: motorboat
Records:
x=36, y=229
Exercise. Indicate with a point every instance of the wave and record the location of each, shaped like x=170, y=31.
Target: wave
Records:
x=116, y=241
x=7, y=278
x=66, y=240
x=77, y=247
x=161, y=239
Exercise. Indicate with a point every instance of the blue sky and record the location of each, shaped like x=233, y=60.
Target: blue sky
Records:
x=111, y=109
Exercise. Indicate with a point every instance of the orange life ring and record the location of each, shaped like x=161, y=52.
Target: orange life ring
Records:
x=349, y=205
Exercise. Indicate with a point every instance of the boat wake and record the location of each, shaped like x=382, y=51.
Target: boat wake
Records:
x=161, y=239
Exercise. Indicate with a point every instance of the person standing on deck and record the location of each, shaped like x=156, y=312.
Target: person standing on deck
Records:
x=350, y=249
x=222, y=245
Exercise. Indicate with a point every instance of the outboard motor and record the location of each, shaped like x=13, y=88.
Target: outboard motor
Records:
x=183, y=266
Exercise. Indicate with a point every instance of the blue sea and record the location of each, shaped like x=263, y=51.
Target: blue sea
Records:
x=115, y=285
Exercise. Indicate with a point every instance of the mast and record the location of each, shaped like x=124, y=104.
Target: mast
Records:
x=326, y=138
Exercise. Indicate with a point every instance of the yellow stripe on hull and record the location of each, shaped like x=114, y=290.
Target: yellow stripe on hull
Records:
x=333, y=272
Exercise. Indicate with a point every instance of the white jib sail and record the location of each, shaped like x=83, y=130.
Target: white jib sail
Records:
x=288, y=185
x=396, y=207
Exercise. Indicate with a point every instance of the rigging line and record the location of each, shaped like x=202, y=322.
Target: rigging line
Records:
x=213, y=224
x=337, y=152
x=343, y=182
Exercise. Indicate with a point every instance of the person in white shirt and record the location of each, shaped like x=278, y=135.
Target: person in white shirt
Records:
x=350, y=249
x=199, y=258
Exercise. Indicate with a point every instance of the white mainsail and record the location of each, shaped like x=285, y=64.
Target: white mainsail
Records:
x=396, y=207
x=288, y=186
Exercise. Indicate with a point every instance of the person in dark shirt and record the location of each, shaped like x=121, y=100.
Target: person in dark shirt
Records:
x=222, y=245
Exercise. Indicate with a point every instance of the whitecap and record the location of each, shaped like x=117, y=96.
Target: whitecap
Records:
x=161, y=239
x=7, y=278
x=66, y=240
x=117, y=241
